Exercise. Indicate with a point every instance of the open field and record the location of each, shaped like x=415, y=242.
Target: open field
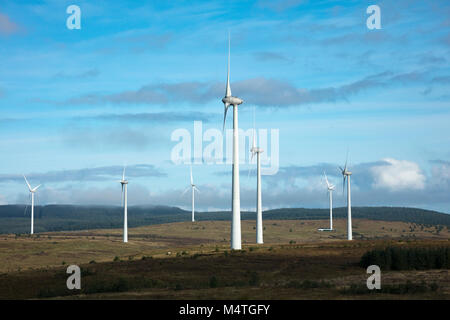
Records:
x=192, y=261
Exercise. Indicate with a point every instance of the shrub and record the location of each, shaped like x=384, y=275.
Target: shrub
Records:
x=213, y=282
x=120, y=285
x=254, y=278
x=178, y=287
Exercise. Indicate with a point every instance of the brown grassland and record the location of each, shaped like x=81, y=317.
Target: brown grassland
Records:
x=193, y=261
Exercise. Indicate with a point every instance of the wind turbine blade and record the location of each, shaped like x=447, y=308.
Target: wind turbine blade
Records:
x=121, y=197
x=254, y=138
x=186, y=190
x=196, y=189
x=228, y=90
x=26, y=206
x=253, y=149
x=326, y=179
x=254, y=129
x=249, y=172
x=343, y=185
x=192, y=179
x=224, y=117
x=29, y=187
x=123, y=173
x=36, y=188
x=346, y=159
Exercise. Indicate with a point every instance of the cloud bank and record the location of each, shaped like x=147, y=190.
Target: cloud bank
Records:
x=261, y=91
x=386, y=182
x=86, y=174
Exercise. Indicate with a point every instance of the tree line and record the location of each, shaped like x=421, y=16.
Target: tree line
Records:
x=396, y=258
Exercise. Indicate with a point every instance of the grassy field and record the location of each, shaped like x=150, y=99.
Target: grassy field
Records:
x=193, y=261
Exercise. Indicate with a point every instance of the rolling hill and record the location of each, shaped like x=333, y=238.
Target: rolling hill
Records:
x=15, y=219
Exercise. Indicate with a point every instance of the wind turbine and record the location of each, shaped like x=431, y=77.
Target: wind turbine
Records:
x=228, y=101
x=194, y=188
x=330, y=188
x=259, y=226
x=124, y=184
x=346, y=175
x=32, y=191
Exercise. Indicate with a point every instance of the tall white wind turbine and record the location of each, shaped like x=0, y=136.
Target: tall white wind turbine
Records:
x=124, y=184
x=32, y=192
x=346, y=175
x=330, y=189
x=194, y=188
x=259, y=225
x=228, y=101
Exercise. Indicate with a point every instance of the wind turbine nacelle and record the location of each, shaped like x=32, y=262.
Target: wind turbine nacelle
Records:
x=232, y=101
x=256, y=150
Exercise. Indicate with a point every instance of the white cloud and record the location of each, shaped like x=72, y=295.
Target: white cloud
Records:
x=398, y=175
x=440, y=173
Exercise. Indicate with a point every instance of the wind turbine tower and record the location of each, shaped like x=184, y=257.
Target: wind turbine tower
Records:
x=228, y=101
x=330, y=188
x=194, y=188
x=124, y=184
x=259, y=226
x=32, y=192
x=346, y=175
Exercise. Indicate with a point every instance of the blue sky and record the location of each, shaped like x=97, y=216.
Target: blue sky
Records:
x=78, y=104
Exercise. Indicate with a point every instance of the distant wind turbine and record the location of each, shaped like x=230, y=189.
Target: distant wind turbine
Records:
x=346, y=175
x=32, y=192
x=194, y=188
x=330, y=188
x=259, y=225
x=228, y=101
x=124, y=184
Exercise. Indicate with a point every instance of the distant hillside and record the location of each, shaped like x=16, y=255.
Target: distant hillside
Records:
x=415, y=215
x=14, y=219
